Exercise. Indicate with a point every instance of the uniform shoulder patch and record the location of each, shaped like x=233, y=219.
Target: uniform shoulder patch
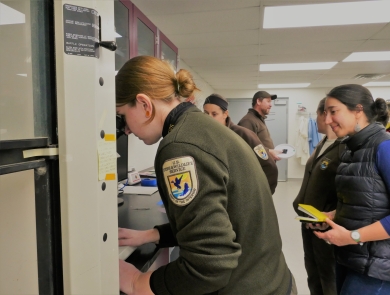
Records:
x=181, y=180
x=261, y=152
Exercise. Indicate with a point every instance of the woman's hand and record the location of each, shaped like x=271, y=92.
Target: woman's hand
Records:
x=136, y=238
x=323, y=225
x=338, y=235
x=317, y=226
x=132, y=281
x=128, y=275
x=129, y=237
x=330, y=214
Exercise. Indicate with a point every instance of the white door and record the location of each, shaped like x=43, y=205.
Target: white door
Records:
x=277, y=126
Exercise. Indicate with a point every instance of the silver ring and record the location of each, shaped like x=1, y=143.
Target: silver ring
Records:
x=328, y=242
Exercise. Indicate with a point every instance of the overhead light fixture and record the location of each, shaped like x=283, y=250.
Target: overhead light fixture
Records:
x=368, y=56
x=369, y=76
x=328, y=14
x=117, y=35
x=377, y=84
x=297, y=66
x=22, y=75
x=10, y=16
x=291, y=85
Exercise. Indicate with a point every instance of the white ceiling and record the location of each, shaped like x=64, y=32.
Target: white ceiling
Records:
x=224, y=43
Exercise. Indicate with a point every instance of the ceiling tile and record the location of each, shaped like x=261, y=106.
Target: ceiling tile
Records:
x=170, y=7
x=216, y=39
x=216, y=52
x=210, y=21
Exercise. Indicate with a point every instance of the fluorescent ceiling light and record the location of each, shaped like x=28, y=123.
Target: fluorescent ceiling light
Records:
x=292, y=85
x=368, y=56
x=23, y=75
x=329, y=14
x=377, y=84
x=297, y=66
x=117, y=35
x=10, y=16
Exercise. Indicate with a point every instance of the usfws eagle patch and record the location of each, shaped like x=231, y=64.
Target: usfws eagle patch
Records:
x=181, y=180
x=261, y=152
x=324, y=163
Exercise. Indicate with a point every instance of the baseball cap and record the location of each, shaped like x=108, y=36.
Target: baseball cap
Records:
x=264, y=94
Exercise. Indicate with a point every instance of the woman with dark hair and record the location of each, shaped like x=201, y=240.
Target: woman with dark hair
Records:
x=318, y=189
x=216, y=107
x=222, y=218
x=360, y=225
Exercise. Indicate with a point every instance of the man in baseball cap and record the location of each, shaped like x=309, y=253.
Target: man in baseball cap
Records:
x=255, y=120
x=263, y=94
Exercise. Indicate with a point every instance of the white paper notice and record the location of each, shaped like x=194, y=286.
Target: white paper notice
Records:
x=107, y=159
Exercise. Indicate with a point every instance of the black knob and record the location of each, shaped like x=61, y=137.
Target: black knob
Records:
x=110, y=45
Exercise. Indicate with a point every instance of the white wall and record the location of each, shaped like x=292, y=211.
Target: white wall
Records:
x=309, y=98
x=141, y=156
x=205, y=88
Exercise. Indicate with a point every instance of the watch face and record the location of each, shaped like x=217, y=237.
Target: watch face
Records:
x=355, y=235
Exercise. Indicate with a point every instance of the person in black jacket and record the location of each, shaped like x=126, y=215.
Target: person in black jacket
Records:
x=318, y=189
x=361, y=222
x=216, y=106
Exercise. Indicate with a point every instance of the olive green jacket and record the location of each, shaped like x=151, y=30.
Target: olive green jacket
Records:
x=222, y=216
x=267, y=163
x=318, y=186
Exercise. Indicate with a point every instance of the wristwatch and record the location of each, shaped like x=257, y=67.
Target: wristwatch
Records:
x=355, y=235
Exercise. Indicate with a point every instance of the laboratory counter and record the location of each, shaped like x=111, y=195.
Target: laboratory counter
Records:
x=142, y=212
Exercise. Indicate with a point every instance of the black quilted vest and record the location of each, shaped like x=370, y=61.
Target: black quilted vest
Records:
x=363, y=200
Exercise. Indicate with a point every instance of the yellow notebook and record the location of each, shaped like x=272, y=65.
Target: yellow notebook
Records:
x=313, y=215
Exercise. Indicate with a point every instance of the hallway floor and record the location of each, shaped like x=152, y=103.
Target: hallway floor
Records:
x=290, y=230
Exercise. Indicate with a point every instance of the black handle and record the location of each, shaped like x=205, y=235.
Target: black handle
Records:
x=110, y=45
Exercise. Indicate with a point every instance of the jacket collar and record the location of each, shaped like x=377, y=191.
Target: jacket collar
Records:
x=357, y=140
x=229, y=122
x=256, y=113
x=173, y=116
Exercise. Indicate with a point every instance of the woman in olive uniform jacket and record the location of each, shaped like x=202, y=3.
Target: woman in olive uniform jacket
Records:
x=217, y=107
x=318, y=189
x=222, y=218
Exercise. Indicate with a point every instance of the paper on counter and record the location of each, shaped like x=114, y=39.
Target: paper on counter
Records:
x=140, y=190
